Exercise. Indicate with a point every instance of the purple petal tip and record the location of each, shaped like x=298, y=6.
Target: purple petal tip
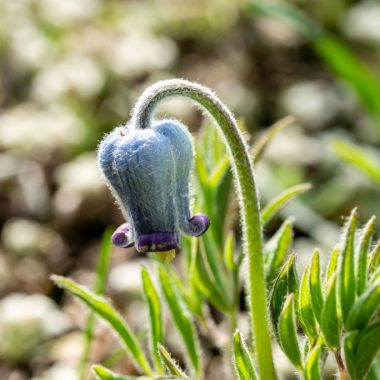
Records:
x=121, y=237
x=157, y=242
x=199, y=224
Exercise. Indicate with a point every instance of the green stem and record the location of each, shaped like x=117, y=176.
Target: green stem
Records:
x=246, y=188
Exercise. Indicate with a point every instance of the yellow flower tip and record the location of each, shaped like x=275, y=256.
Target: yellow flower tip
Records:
x=165, y=257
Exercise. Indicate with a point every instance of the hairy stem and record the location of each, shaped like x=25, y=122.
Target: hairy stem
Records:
x=246, y=189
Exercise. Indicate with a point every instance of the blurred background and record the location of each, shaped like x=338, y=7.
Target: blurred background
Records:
x=71, y=70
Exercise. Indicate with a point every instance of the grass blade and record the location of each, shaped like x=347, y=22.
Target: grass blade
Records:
x=104, y=373
x=359, y=158
x=155, y=317
x=281, y=200
x=330, y=323
x=374, y=261
x=105, y=311
x=346, y=268
x=360, y=349
x=332, y=265
x=170, y=364
x=315, y=286
x=286, y=283
x=287, y=332
x=312, y=365
x=203, y=280
x=182, y=320
x=305, y=310
x=364, y=308
x=333, y=52
x=99, y=287
x=242, y=359
x=362, y=255
x=259, y=147
x=277, y=249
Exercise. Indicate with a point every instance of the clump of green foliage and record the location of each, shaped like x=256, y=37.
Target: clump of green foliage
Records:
x=337, y=312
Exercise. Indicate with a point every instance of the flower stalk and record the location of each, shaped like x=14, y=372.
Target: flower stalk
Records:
x=243, y=170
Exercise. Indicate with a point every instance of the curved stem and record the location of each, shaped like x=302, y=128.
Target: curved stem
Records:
x=246, y=188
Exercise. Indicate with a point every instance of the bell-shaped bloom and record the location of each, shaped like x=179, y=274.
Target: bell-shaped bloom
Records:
x=148, y=172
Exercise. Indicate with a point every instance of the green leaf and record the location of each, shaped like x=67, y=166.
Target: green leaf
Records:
x=99, y=286
x=170, y=363
x=276, y=250
x=332, y=265
x=281, y=200
x=286, y=283
x=155, y=317
x=200, y=276
x=346, y=268
x=333, y=52
x=312, y=365
x=362, y=254
x=213, y=260
x=374, y=261
x=359, y=158
x=315, y=287
x=375, y=276
x=360, y=349
x=104, y=373
x=264, y=140
x=287, y=332
x=364, y=308
x=330, y=320
x=305, y=310
x=228, y=253
x=182, y=319
x=374, y=372
x=105, y=311
x=242, y=359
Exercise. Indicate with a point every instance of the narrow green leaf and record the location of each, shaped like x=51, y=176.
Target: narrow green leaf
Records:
x=359, y=158
x=99, y=287
x=374, y=372
x=333, y=52
x=315, y=287
x=170, y=363
x=103, y=262
x=330, y=323
x=203, y=280
x=228, y=253
x=286, y=283
x=332, y=265
x=281, y=200
x=346, y=268
x=242, y=359
x=155, y=317
x=360, y=349
x=259, y=147
x=276, y=250
x=287, y=332
x=312, y=365
x=104, y=373
x=182, y=319
x=362, y=254
x=219, y=172
x=375, y=276
x=364, y=308
x=213, y=258
x=105, y=311
x=305, y=310
x=374, y=261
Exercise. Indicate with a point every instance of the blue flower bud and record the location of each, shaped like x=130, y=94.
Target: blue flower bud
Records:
x=148, y=172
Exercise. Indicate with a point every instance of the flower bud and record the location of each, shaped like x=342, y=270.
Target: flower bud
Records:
x=148, y=172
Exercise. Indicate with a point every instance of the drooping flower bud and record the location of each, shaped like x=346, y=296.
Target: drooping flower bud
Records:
x=148, y=172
